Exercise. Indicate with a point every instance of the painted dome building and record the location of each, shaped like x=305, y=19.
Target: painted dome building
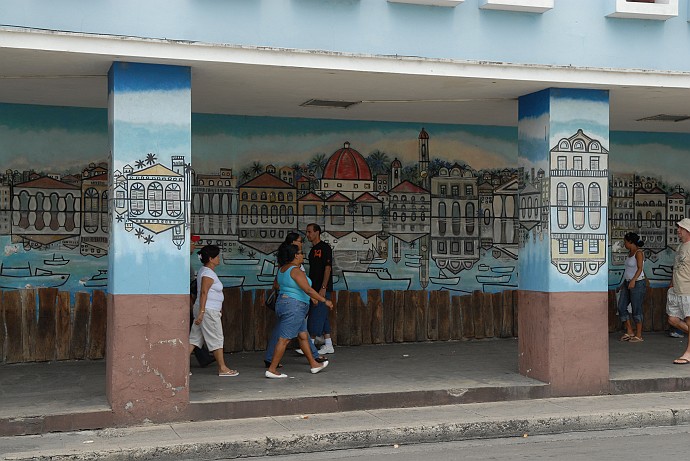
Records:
x=347, y=172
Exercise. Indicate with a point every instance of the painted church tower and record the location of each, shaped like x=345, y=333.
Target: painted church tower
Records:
x=424, y=159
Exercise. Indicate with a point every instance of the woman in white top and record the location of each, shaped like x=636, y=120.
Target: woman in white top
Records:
x=633, y=288
x=207, y=326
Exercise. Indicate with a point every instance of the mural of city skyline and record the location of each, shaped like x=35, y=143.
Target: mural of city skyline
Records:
x=404, y=206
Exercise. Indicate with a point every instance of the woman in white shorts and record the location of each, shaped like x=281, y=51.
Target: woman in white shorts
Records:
x=207, y=327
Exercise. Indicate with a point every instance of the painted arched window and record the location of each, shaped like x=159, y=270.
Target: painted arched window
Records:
x=91, y=203
x=442, y=218
x=469, y=218
x=155, y=199
x=264, y=214
x=455, y=219
x=578, y=205
x=136, y=198
x=173, y=200
x=562, y=204
x=594, y=204
x=104, y=211
x=244, y=212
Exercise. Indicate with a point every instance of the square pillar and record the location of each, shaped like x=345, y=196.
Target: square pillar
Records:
x=563, y=139
x=147, y=355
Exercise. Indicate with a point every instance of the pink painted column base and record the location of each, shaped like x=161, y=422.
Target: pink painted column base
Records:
x=147, y=357
x=563, y=341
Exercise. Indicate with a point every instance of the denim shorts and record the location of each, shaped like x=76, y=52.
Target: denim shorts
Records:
x=292, y=315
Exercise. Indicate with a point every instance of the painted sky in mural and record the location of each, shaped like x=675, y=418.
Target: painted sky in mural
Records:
x=150, y=128
x=471, y=170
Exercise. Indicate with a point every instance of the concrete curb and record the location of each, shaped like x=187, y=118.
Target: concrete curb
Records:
x=349, y=439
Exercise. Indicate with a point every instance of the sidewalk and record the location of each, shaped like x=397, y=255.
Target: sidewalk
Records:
x=239, y=438
x=66, y=396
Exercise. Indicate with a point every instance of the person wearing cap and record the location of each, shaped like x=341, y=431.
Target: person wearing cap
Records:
x=678, y=298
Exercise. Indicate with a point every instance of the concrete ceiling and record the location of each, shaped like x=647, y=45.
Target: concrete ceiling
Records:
x=79, y=79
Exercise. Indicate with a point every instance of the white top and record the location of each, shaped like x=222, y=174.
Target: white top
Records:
x=214, y=300
x=681, y=270
x=631, y=267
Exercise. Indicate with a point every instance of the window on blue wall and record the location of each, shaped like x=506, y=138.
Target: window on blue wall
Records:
x=155, y=199
x=136, y=198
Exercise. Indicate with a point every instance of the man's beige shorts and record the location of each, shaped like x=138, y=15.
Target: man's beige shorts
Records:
x=677, y=305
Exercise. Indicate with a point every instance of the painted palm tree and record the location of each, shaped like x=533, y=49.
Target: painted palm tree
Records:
x=317, y=164
x=257, y=168
x=379, y=162
x=352, y=208
x=246, y=175
x=139, y=164
x=150, y=159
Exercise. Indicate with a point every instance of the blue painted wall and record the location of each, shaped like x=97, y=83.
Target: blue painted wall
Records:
x=574, y=33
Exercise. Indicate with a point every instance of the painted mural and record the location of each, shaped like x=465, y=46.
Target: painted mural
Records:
x=405, y=206
x=564, y=137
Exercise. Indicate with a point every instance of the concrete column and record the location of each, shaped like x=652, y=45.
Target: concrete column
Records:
x=147, y=359
x=563, y=140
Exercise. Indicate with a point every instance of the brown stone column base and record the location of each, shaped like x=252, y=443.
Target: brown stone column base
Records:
x=563, y=341
x=147, y=357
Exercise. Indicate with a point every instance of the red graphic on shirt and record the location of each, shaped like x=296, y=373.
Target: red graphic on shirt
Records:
x=317, y=253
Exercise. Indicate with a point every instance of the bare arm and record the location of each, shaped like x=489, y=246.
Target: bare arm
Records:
x=206, y=284
x=301, y=281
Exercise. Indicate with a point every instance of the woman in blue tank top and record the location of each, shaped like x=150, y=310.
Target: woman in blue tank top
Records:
x=292, y=306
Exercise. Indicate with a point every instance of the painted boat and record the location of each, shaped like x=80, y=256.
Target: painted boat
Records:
x=413, y=264
x=231, y=281
x=97, y=281
x=268, y=272
x=240, y=261
x=504, y=278
x=374, y=279
x=503, y=269
x=56, y=261
x=21, y=277
x=445, y=280
x=663, y=271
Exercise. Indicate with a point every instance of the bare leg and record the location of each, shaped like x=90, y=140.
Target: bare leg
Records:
x=678, y=323
x=303, y=339
x=628, y=327
x=638, y=327
x=278, y=353
x=191, y=349
x=687, y=350
x=220, y=360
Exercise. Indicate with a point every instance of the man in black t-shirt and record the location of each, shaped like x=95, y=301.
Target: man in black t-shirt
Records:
x=321, y=275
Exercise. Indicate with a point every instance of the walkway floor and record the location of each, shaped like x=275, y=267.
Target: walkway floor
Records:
x=358, y=378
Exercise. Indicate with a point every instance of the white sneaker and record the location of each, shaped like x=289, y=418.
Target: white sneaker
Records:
x=319, y=341
x=326, y=349
x=299, y=351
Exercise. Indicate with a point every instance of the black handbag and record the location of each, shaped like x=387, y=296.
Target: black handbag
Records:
x=271, y=300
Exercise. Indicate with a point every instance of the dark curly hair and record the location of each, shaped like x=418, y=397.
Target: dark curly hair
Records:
x=633, y=238
x=287, y=253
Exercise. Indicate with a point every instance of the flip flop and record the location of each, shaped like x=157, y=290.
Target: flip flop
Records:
x=626, y=337
x=229, y=373
x=681, y=361
x=635, y=339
